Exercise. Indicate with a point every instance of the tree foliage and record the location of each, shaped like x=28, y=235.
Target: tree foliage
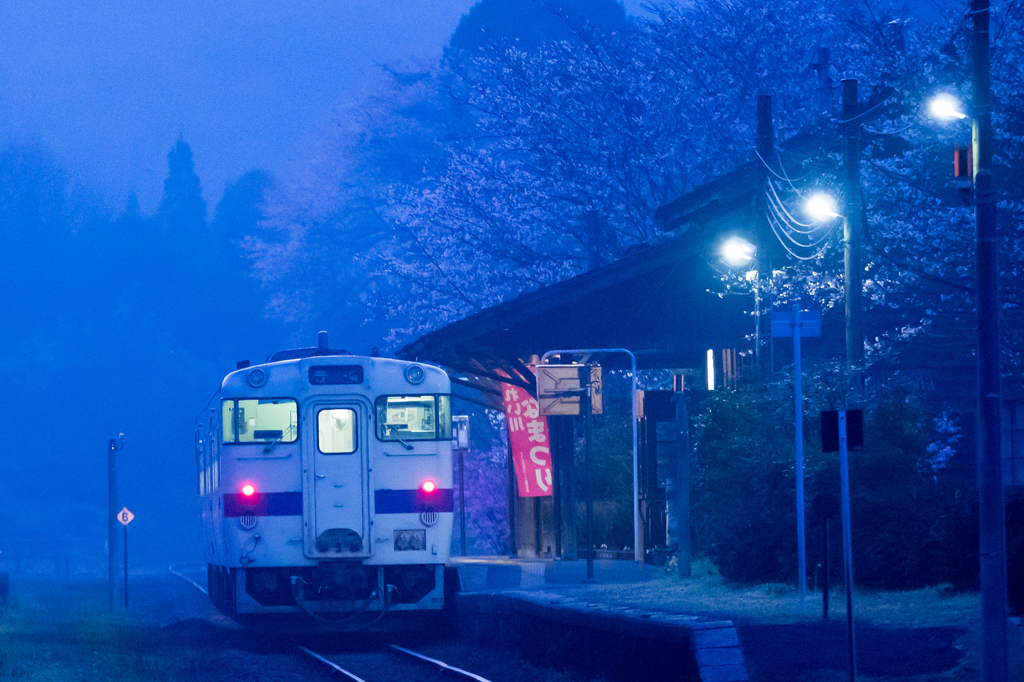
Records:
x=510, y=165
x=914, y=523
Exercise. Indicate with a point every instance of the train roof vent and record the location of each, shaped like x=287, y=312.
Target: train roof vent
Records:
x=322, y=348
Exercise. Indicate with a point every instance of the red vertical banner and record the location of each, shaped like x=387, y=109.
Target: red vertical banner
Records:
x=528, y=439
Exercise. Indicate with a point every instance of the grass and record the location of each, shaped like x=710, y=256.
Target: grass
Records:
x=64, y=632
x=706, y=593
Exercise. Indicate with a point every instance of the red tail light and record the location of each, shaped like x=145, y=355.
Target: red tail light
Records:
x=248, y=489
x=428, y=486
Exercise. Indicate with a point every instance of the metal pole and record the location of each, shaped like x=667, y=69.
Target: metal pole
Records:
x=112, y=521
x=585, y=412
x=462, y=501
x=683, y=485
x=126, y=568
x=991, y=507
x=556, y=483
x=824, y=571
x=801, y=554
x=844, y=479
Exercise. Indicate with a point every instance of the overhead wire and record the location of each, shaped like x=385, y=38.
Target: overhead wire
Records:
x=812, y=238
x=777, y=230
x=778, y=201
x=796, y=237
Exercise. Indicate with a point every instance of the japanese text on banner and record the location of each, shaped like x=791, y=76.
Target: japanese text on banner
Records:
x=528, y=438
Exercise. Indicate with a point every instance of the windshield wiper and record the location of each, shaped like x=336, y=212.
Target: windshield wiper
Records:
x=391, y=430
x=270, y=446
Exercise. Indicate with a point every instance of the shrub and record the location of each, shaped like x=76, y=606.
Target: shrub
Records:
x=913, y=522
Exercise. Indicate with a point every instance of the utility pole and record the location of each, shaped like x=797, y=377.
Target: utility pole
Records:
x=991, y=507
x=853, y=227
x=766, y=152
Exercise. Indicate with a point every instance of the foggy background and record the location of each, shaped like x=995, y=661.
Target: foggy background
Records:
x=185, y=187
x=118, y=120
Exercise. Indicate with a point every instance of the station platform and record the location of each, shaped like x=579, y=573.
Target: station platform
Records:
x=537, y=605
x=507, y=573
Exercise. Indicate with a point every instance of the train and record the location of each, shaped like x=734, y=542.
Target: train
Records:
x=325, y=488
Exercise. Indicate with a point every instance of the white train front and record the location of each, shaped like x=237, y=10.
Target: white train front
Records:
x=326, y=486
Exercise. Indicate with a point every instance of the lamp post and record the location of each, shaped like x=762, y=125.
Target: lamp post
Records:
x=740, y=254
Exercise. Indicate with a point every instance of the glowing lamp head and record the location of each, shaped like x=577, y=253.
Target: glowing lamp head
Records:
x=248, y=489
x=821, y=207
x=738, y=252
x=946, y=107
x=428, y=486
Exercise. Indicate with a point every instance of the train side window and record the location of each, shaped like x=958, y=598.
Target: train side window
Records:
x=444, y=417
x=260, y=420
x=336, y=431
x=227, y=420
x=200, y=462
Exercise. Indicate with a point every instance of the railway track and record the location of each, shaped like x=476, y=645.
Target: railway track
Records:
x=333, y=665
x=426, y=660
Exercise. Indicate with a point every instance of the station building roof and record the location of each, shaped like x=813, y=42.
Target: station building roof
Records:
x=658, y=302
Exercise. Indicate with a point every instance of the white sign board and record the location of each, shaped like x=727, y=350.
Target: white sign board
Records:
x=559, y=391
x=125, y=516
x=809, y=323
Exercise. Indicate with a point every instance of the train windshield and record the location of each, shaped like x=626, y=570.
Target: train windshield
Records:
x=336, y=431
x=414, y=417
x=264, y=420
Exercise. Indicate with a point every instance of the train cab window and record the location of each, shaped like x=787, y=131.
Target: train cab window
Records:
x=264, y=420
x=414, y=417
x=444, y=417
x=336, y=431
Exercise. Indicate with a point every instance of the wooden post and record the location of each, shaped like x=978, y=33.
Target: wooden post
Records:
x=682, y=476
x=853, y=227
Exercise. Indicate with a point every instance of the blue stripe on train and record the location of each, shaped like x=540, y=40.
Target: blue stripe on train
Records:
x=263, y=504
x=406, y=501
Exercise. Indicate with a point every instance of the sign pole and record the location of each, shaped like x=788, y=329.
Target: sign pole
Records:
x=801, y=556
x=844, y=476
x=585, y=411
x=124, y=517
x=796, y=324
x=126, y=567
x=462, y=500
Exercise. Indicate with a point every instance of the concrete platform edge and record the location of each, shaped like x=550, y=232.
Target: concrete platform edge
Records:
x=695, y=648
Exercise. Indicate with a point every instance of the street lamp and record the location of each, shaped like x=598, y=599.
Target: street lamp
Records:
x=737, y=252
x=946, y=107
x=821, y=207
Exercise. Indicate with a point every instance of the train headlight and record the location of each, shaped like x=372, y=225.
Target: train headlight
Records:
x=414, y=374
x=248, y=490
x=256, y=377
x=428, y=487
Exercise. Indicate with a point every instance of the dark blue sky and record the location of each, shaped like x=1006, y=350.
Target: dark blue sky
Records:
x=110, y=85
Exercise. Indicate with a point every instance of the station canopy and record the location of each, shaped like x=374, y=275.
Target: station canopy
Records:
x=664, y=303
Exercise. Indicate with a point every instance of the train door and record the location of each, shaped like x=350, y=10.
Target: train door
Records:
x=335, y=458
